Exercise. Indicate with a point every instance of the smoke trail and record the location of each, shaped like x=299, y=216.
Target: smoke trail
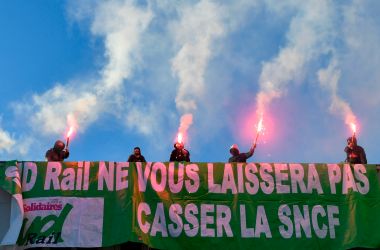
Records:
x=361, y=37
x=6, y=141
x=121, y=24
x=186, y=121
x=329, y=79
x=309, y=30
x=199, y=26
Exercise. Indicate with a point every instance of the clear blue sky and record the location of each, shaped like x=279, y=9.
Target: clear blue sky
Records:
x=127, y=71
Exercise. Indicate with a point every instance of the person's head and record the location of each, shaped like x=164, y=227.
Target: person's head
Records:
x=178, y=145
x=351, y=141
x=234, y=149
x=137, y=151
x=59, y=145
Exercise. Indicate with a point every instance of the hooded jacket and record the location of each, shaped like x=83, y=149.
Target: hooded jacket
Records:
x=356, y=154
x=241, y=157
x=180, y=154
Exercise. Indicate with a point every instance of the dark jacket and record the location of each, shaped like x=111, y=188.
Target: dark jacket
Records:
x=180, y=155
x=57, y=155
x=241, y=157
x=134, y=158
x=356, y=155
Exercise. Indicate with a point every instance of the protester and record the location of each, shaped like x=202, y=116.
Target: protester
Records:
x=136, y=156
x=355, y=153
x=180, y=153
x=58, y=152
x=240, y=157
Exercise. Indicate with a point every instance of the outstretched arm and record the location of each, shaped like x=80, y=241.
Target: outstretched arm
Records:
x=251, y=151
x=66, y=153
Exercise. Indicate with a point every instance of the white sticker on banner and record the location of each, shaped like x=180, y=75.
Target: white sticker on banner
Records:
x=62, y=222
x=11, y=228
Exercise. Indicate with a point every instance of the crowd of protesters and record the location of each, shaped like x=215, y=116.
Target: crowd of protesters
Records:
x=355, y=154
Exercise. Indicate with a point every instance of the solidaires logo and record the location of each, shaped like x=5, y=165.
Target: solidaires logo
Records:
x=58, y=221
x=44, y=230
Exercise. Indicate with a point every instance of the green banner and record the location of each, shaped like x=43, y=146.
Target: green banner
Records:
x=196, y=205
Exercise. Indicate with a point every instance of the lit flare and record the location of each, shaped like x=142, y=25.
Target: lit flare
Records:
x=71, y=130
x=260, y=126
x=353, y=127
x=69, y=133
x=180, y=137
x=259, y=130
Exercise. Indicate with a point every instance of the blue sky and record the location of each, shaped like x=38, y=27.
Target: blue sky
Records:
x=125, y=72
